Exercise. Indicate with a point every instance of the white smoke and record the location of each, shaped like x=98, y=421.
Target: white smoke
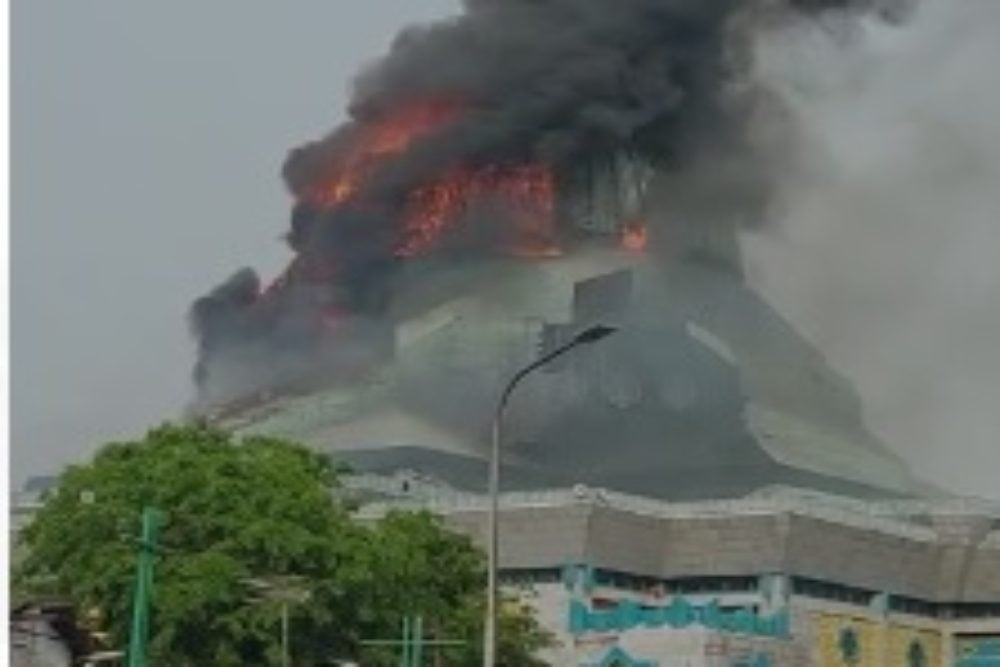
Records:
x=886, y=251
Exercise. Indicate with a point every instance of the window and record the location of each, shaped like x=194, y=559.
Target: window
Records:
x=905, y=605
x=826, y=590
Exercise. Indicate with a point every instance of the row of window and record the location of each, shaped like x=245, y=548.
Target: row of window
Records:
x=638, y=583
x=826, y=590
x=802, y=586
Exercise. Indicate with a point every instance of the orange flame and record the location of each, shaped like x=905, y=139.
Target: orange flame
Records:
x=377, y=141
x=634, y=237
x=528, y=191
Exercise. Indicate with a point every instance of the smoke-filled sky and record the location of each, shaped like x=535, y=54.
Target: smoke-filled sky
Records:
x=886, y=254
x=148, y=139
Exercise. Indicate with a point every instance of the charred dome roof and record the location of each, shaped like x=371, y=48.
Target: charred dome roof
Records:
x=705, y=392
x=506, y=178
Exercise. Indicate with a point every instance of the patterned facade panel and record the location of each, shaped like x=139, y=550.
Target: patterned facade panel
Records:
x=849, y=641
x=858, y=641
x=914, y=647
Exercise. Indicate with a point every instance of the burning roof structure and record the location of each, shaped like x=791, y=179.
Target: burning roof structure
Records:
x=507, y=177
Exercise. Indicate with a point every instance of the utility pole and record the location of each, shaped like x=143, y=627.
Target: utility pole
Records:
x=286, y=590
x=491, y=622
x=286, y=657
x=412, y=643
x=148, y=548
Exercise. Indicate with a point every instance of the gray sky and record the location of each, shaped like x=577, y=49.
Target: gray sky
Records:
x=147, y=143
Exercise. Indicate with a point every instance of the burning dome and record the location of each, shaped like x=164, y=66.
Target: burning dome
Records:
x=507, y=177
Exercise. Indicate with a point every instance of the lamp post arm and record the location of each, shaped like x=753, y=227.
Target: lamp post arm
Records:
x=490, y=634
x=528, y=370
x=590, y=335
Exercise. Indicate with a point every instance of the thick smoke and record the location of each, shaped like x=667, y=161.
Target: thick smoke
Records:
x=551, y=82
x=886, y=253
x=557, y=82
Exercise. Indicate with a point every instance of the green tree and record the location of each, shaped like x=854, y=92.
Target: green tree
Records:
x=237, y=510
x=414, y=567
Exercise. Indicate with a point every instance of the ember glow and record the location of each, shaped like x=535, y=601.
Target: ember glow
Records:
x=377, y=141
x=524, y=194
x=519, y=199
x=634, y=237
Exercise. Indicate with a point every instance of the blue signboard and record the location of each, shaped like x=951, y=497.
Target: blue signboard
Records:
x=680, y=613
x=978, y=652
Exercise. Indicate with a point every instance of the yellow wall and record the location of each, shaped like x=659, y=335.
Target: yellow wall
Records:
x=830, y=627
x=878, y=646
x=901, y=638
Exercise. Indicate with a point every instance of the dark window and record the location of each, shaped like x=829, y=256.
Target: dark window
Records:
x=712, y=585
x=970, y=610
x=826, y=590
x=906, y=605
x=529, y=576
x=685, y=586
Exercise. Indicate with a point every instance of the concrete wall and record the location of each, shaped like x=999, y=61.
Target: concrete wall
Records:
x=882, y=639
x=731, y=545
x=905, y=560
x=802, y=554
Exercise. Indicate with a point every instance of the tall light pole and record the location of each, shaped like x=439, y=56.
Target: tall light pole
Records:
x=285, y=590
x=589, y=335
x=139, y=635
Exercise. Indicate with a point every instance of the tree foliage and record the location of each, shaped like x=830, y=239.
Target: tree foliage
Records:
x=255, y=509
x=412, y=567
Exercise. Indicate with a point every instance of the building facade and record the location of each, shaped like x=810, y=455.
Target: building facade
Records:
x=783, y=578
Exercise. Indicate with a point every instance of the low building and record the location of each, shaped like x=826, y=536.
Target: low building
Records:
x=782, y=578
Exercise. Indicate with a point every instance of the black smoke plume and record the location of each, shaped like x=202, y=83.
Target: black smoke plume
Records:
x=558, y=82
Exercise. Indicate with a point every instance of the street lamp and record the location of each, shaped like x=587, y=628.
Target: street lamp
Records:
x=285, y=590
x=589, y=335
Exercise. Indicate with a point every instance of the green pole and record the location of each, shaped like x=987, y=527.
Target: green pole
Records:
x=285, y=654
x=404, y=660
x=418, y=641
x=143, y=589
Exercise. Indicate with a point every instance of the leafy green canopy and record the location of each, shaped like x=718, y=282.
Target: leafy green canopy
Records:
x=258, y=509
